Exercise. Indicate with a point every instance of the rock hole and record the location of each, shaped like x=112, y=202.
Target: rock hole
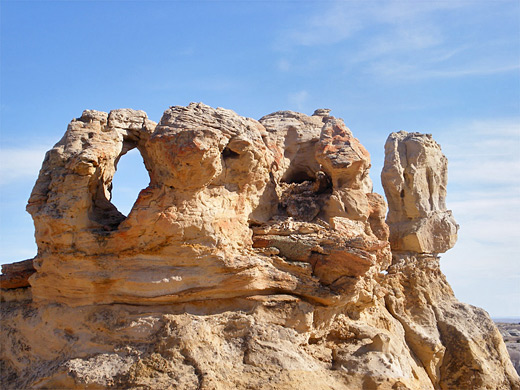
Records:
x=298, y=177
x=228, y=153
x=130, y=178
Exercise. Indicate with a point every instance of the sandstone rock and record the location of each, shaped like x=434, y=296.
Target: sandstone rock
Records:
x=271, y=343
x=212, y=175
x=414, y=178
x=258, y=257
x=72, y=194
x=343, y=250
x=322, y=112
x=447, y=336
x=16, y=275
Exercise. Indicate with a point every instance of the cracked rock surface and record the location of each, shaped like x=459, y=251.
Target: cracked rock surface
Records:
x=258, y=257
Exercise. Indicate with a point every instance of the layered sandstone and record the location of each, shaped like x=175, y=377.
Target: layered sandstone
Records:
x=257, y=257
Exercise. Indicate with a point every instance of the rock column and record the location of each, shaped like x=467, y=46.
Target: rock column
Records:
x=414, y=177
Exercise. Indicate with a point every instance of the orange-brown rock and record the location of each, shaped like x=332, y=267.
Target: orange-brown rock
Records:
x=16, y=275
x=258, y=257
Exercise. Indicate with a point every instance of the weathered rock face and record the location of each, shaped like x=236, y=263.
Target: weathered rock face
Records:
x=446, y=336
x=213, y=176
x=414, y=177
x=257, y=257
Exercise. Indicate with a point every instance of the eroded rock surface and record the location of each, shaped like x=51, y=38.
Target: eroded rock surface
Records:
x=446, y=336
x=414, y=177
x=257, y=257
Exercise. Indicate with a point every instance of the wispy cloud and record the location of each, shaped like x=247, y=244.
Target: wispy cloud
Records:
x=484, y=194
x=484, y=168
x=18, y=164
x=333, y=24
x=338, y=21
x=402, y=71
x=400, y=41
x=484, y=154
x=284, y=65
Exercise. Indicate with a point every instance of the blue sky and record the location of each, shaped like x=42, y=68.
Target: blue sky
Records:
x=450, y=68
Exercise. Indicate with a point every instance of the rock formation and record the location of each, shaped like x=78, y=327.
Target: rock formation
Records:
x=414, y=178
x=446, y=336
x=257, y=257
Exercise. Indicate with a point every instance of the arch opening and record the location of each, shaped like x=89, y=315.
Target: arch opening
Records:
x=129, y=179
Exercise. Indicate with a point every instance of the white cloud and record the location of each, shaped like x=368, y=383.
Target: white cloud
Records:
x=485, y=154
x=484, y=194
x=501, y=127
x=338, y=21
x=21, y=163
x=404, y=70
x=335, y=24
x=399, y=41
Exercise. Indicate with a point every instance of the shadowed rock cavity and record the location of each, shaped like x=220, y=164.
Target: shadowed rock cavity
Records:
x=254, y=259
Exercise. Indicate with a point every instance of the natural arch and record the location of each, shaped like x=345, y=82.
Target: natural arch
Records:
x=112, y=199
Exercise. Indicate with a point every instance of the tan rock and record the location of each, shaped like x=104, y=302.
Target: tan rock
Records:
x=377, y=216
x=212, y=174
x=458, y=344
x=270, y=342
x=414, y=177
x=292, y=138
